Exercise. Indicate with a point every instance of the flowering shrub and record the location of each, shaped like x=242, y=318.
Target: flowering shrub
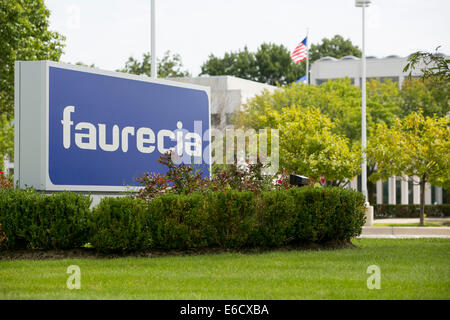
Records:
x=185, y=179
x=5, y=182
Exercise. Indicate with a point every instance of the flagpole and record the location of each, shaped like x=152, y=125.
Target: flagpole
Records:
x=307, y=56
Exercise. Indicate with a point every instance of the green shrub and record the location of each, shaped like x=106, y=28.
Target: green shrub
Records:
x=232, y=216
x=33, y=220
x=276, y=218
x=119, y=224
x=179, y=221
x=409, y=210
x=225, y=219
x=325, y=214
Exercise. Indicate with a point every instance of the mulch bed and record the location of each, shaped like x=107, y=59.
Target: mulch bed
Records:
x=90, y=253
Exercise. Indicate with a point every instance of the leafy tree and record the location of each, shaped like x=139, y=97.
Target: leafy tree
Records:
x=24, y=35
x=271, y=64
x=338, y=99
x=432, y=97
x=6, y=139
x=169, y=66
x=240, y=64
x=336, y=47
x=308, y=146
x=309, y=142
x=415, y=146
x=384, y=101
x=432, y=65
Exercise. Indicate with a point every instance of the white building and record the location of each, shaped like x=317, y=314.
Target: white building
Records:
x=228, y=94
x=390, y=67
x=396, y=190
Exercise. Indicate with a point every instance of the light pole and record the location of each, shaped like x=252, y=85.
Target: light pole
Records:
x=153, y=41
x=363, y=4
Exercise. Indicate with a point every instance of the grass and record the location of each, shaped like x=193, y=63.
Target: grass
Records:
x=410, y=269
x=413, y=224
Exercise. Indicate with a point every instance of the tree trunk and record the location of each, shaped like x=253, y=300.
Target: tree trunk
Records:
x=422, y=200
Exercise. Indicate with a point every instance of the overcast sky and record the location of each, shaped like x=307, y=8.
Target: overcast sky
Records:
x=107, y=32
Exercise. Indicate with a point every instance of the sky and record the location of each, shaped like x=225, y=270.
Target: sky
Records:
x=108, y=32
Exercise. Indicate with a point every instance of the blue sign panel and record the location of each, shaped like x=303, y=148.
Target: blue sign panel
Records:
x=107, y=131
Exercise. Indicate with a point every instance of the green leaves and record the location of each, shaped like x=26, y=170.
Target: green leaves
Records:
x=414, y=146
x=24, y=35
x=6, y=139
x=308, y=146
x=315, y=123
x=335, y=47
x=169, y=66
x=271, y=64
x=33, y=220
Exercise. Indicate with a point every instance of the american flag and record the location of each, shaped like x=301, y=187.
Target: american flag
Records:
x=300, y=52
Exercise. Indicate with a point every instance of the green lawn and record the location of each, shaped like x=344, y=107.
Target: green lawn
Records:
x=410, y=269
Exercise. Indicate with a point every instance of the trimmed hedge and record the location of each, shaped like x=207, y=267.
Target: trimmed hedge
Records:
x=409, y=210
x=178, y=222
x=229, y=219
x=119, y=224
x=235, y=219
x=30, y=219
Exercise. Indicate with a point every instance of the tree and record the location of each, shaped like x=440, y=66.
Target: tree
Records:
x=24, y=35
x=240, y=64
x=6, y=139
x=271, y=64
x=415, y=146
x=308, y=147
x=338, y=99
x=432, y=94
x=335, y=47
x=433, y=66
x=424, y=94
x=169, y=66
x=309, y=142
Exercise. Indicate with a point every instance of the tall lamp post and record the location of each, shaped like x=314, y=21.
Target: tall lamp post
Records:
x=363, y=4
x=153, y=68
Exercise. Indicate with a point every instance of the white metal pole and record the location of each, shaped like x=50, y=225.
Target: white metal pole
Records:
x=363, y=111
x=307, y=56
x=153, y=42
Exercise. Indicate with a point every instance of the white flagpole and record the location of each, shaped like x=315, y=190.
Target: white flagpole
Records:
x=153, y=42
x=307, y=56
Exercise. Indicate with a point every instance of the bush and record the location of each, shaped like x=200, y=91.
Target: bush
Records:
x=33, y=220
x=179, y=222
x=228, y=219
x=118, y=225
x=186, y=179
x=410, y=210
x=225, y=219
x=327, y=214
x=232, y=217
x=276, y=218
x=6, y=182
